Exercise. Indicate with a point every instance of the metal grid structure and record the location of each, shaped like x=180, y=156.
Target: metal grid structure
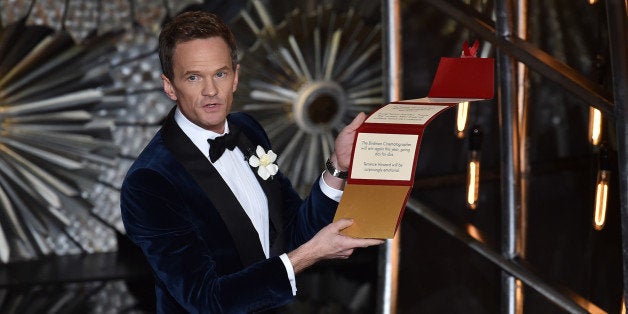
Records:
x=511, y=48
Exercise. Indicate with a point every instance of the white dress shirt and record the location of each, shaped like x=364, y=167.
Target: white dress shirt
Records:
x=236, y=172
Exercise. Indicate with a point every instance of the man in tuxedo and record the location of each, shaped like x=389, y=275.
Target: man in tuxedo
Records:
x=220, y=234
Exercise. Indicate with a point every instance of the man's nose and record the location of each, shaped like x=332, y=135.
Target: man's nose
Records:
x=209, y=89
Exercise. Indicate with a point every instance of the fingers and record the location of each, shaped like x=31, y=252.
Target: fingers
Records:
x=354, y=242
x=328, y=243
x=357, y=121
x=345, y=254
x=358, y=242
x=351, y=242
x=342, y=223
x=349, y=245
x=344, y=142
x=371, y=242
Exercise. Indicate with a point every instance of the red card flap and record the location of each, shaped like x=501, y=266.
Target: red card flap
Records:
x=463, y=78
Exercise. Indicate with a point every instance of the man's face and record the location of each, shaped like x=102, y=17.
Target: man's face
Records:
x=204, y=82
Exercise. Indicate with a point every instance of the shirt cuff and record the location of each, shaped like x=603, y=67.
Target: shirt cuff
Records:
x=290, y=271
x=330, y=192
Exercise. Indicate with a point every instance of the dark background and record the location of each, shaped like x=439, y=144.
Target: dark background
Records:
x=437, y=272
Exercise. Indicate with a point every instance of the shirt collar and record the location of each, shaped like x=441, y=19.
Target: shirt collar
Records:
x=198, y=135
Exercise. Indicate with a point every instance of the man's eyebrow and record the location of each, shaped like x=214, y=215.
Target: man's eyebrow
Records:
x=225, y=68
x=193, y=71
x=188, y=72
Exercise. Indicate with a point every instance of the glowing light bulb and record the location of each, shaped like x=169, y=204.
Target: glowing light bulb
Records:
x=601, y=190
x=601, y=199
x=461, y=118
x=595, y=126
x=473, y=169
x=473, y=184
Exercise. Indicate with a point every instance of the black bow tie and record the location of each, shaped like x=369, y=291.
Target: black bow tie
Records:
x=218, y=145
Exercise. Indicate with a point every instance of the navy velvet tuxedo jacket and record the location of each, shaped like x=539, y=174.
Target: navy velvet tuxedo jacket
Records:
x=202, y=247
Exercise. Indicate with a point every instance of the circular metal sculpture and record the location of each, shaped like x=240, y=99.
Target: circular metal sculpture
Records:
x=306, y=76
x=79, y=97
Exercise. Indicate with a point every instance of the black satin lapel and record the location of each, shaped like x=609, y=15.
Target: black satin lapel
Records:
x=272, y=189
x=244, y=235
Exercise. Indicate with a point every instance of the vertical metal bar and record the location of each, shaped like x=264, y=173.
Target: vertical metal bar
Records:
x=616, y=13
x=389, y=252
x=509, y=152
x=393, y=72
x=522, y=104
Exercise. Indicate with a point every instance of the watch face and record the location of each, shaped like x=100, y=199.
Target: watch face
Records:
x=333, y=171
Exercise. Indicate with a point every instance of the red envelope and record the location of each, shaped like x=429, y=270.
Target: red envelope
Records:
x=387, y=144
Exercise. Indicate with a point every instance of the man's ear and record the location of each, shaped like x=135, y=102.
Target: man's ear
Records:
x=168, y=88
x=235, y=79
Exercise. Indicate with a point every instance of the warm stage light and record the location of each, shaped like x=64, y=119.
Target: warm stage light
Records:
x=475, y=233
x=473, y=183
x=461, y=118
x=601, y=198
x=473, y=168
x=601, y=190
x=595, y=126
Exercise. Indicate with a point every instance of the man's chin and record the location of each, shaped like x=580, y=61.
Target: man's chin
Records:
x=215, y=124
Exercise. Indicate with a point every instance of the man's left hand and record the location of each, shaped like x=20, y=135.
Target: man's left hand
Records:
x=341, y=158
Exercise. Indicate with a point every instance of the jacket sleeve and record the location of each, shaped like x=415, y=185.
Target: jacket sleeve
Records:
x=308, y=216
x=155, y=220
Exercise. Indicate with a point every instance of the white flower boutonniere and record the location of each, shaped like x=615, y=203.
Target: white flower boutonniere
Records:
x=264, y=161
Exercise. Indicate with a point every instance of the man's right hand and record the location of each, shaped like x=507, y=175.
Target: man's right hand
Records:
x=328, y=243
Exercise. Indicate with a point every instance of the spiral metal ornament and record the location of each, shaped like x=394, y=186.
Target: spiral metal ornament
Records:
x=305, y=77
x=80, y=95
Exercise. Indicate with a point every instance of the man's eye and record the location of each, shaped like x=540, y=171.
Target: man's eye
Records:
x=193, y=78
x=221, y=74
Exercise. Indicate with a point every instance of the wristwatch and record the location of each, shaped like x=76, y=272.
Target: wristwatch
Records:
x=333, y=171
